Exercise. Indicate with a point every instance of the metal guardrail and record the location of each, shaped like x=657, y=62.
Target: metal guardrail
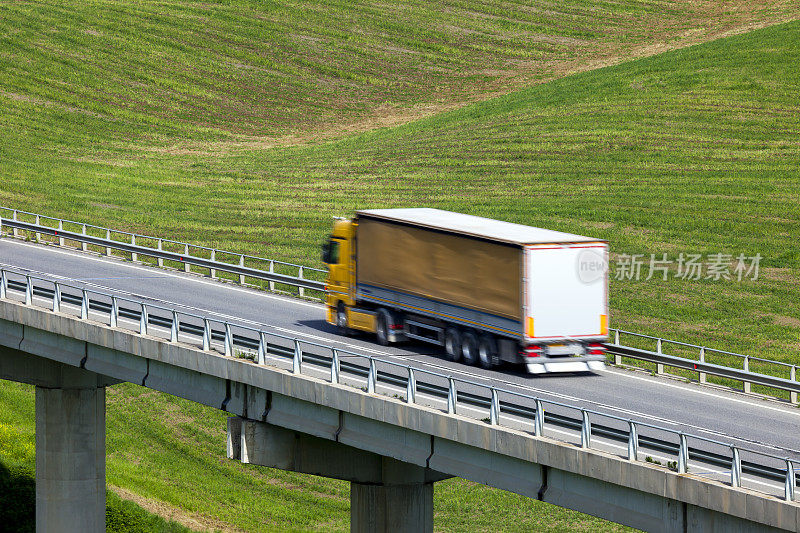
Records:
x=704, y=368
x=174, y=323
x=213, y=264
x=159, y=252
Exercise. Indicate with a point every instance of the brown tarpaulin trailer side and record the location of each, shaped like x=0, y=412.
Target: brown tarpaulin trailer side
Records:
x=451, y=268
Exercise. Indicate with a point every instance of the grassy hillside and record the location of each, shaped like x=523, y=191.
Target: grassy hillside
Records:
x=691, y=151
x=122, y=75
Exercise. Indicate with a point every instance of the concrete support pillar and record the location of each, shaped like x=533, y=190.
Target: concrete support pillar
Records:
x=391, y=508
x=70, y=459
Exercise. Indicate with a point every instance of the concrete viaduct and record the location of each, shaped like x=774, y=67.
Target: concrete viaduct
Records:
x=392, y=452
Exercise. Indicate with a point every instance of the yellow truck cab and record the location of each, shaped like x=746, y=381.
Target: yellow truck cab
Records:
x=339, y=254
x=484, y=290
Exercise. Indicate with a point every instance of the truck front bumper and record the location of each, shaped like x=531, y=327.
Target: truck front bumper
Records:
x=549, y=365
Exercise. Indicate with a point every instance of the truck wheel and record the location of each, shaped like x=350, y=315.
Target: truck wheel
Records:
x=452, y=344
x=487, y=351
x=341, y=320
x=382, y=330
x=469, y=348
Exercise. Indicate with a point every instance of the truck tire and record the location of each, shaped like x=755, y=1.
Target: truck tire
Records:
x=341, y=320
x=452, y=344
x=382, y=329
x=469, y=348
x=487, y=351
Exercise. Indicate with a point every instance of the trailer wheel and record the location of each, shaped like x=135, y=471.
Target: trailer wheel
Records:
x=382, y=329
x=487, y=351
x=469, y=348
x=452, y=344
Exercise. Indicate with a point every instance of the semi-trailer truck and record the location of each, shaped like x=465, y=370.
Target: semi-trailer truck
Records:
x=484, y=290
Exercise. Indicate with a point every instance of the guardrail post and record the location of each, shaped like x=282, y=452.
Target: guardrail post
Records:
x=300, y=275
x=789, y=484
x=297, y=359
x=494, y=409
x=702, y=375
x=186, y=266
x=160, y=249
x=586, y=430
x=262, y=348
x=83, y=232
x=108, y=238
x=538, y=421
x=633, y=442
x=175, y=327
x=61, y=228
x=793, y=377
x=736, y=467
x=28, y=290
x=213, y=271
x=241, y=264
x=14, y=217
x=272, y=271
x=114, y=318
x=134, y=255
x=56, y=297
x=3, y=284
x=371, y=376
x=228, y=348
x=206, y=335
x=451, y=396
x=746, y=368
x=335, y=366
x=683, y=454
x=659, y=366
x=38, y=235
x=84, y=304
x=411, y=387
x=617, y=357
x=143, y=320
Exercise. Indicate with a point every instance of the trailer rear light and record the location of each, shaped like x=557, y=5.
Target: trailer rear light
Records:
x=395, y=326
x=595, y=348
x=531, y=351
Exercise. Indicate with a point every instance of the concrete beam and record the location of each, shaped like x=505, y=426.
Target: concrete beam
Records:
x=258, y=443
x=386, y=495
x=16, y=365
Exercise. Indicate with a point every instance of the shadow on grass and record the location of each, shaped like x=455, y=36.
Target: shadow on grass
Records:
x=17, y=497
x=18, y=506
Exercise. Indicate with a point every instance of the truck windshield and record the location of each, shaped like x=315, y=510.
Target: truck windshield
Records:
x=330, y=252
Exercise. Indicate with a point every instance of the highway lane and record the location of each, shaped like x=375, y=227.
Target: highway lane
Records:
x=720, y=415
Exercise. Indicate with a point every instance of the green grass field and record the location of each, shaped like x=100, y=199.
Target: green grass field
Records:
x=114, y=115
x=128, y=76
